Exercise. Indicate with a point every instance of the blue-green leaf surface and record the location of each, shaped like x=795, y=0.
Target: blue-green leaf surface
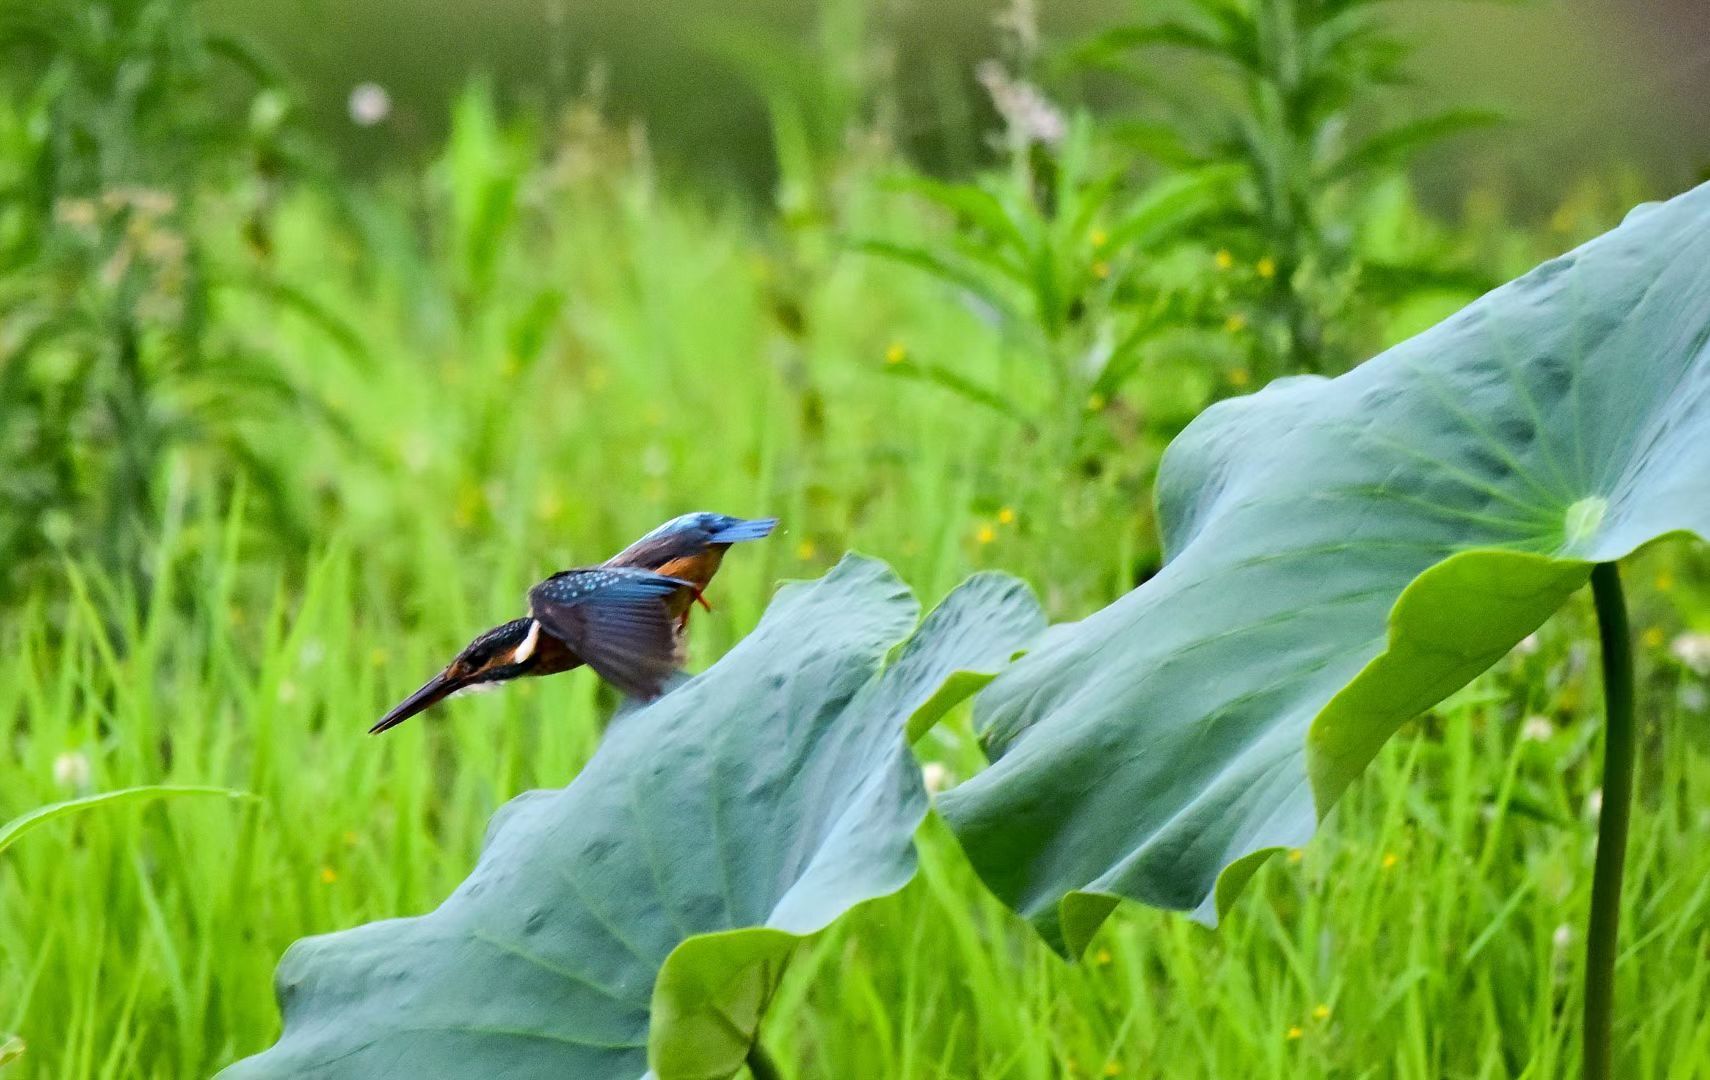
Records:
x=642, y=916
x=1342, y=554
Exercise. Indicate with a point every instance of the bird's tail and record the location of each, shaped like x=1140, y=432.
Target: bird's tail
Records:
x=737, y=530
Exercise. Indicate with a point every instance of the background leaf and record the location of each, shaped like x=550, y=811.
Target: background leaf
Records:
x=711, y=831
x=1343, y=554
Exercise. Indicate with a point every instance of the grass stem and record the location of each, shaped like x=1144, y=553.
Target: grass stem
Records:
x=1604, y=926
x=760, y=1063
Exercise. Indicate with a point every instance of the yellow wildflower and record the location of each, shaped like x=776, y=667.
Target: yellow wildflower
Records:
x=1102, y=958
x=1101, y=269
x=1390, y=860
x=1006, y=516
x=1266, y=267
x=1295, y=1033
x=1239, y=377
x=1095, y=402
x=1665, y=581
x=986, y=535
x=1112, y=1069
x=806, y=550
x=1224, y=260
x=1235, y=323
x=328, y=875
x=1653, y=637
x=1295, y=854
x=1099, y=238
x=1322, y=1012
x=896, y=354
x=470, y=500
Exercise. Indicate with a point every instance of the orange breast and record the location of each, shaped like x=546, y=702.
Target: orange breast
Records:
x=698, y=568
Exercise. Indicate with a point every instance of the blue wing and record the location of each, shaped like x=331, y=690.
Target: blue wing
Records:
x=616, y=620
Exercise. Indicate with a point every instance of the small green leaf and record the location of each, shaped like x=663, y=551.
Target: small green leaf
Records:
x=959, y=385
x=14, y=830
x=1102, y=48
x=960, y=277
x=11, y=1049
x=970, y=203
x=642, y=917
x=1170, y=207
x=1392, y=147
x=1342, y=555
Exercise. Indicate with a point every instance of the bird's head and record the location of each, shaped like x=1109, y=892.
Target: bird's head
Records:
x=688, y=536
x=501, y=654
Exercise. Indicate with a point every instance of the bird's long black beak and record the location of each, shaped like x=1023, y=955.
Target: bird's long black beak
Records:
x=432, y=692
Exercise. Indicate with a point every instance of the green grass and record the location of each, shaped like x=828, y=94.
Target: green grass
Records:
x=560, y=364
x=1420, y=936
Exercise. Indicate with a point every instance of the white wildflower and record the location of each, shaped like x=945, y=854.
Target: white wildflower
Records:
x=936, y=777
x=1026, y=112
x=1693, y=650
x=71, y=770
x=370, y=104
x=1537, y=728
x=77, y=213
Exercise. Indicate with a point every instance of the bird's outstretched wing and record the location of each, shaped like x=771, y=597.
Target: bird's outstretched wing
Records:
x=615, y=620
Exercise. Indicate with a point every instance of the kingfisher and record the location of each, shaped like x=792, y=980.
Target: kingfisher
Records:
x=624, y=618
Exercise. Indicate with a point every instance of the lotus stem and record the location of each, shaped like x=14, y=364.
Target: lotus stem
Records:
x=1604, y=925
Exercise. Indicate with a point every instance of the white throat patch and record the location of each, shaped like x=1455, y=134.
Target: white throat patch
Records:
x=526, y=649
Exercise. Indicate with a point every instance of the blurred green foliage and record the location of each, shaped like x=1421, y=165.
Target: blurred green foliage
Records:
x=1147, y=267
x=114, y=131
x=1113, y=277
x=1290, y=94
